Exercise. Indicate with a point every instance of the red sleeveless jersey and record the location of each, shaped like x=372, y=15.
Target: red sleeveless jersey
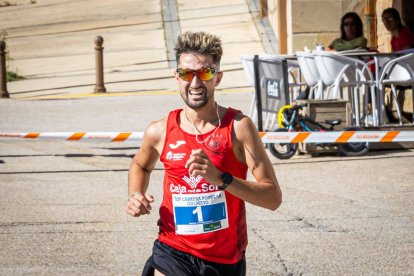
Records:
x=195, y=216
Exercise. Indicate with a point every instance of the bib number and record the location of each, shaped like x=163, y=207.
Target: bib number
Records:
x=200, y=213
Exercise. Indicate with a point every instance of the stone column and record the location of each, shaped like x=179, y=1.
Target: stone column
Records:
x=282, y=26
x=370, y=23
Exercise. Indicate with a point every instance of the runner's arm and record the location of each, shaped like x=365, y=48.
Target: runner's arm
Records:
x=141, y=167
x=265, y=191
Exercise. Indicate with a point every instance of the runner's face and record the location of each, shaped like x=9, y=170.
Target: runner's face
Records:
x=196, y=93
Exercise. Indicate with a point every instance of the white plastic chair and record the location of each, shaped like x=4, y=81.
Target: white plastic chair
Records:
x=311, y=74
x=398, y=71
x=338, y=71
x=248, y=67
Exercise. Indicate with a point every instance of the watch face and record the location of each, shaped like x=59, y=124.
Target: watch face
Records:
x=227, y=178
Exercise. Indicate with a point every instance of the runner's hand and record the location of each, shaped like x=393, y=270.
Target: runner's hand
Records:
x=139, y=204
x=200, y=164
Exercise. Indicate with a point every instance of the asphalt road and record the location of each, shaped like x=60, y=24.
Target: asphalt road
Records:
x=62, y=203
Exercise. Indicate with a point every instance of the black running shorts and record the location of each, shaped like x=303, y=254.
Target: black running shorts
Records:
x=170, y=261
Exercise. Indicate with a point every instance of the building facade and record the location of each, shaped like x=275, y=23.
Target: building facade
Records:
x=306, y=23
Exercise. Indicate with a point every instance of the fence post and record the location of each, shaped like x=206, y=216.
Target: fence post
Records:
x=99, y=86
x=258, y=92
x=3, y=71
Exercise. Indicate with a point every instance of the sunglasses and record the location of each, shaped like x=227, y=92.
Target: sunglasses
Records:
x=203, y=74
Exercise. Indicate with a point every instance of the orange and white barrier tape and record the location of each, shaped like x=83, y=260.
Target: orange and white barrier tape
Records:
x=267, y=137
x=337, y=137
x=78, y=136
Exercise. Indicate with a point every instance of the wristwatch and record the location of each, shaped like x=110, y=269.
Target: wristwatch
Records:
x=227, y=179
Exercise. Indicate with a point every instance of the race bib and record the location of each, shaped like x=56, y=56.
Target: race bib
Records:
x=200, y=213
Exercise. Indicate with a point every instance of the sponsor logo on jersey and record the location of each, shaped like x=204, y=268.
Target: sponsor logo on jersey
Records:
x=177, y=144
x=192, y=181
x=183, y=189
x=175, y=156
x=215, y=144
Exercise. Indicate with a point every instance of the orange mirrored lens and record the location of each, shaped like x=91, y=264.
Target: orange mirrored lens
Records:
x=203, y=74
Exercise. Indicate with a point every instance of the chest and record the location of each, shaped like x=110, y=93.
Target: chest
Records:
x=179, y=145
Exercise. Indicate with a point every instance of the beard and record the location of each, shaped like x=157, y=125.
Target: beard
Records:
x=201, y=101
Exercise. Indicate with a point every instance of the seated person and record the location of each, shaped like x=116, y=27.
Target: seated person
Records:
x=351, y=34
x=402, y=40
x=402, y=37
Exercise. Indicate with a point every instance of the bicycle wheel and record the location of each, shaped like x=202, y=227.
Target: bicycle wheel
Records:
x=282, y=150
x=353, y=149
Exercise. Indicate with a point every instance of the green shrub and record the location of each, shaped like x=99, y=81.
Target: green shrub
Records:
x=12, y=76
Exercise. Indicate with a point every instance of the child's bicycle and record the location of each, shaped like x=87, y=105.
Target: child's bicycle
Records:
x=291, y=120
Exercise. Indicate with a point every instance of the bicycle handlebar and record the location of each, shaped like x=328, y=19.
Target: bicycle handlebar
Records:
x=298, y=107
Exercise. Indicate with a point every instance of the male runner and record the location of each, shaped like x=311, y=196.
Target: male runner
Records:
x=206, y=150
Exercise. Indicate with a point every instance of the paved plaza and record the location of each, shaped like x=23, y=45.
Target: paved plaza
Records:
x=63, y=202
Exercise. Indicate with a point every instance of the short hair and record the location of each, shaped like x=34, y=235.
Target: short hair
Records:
x=358, y=24
x=199, y=43
x=394, y=14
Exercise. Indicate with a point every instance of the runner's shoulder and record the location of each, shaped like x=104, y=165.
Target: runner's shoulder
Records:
x=156, y=130
x=243, y=124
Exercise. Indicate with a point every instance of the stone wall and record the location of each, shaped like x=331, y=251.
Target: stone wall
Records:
x=318, y=21
x=310, y=22
x=384, y=37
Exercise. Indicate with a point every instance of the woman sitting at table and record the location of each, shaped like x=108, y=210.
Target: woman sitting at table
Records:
x=402, y=37
x=351, y=34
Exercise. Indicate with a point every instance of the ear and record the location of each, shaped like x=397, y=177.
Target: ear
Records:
x=218, y=77
x=176, y=77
